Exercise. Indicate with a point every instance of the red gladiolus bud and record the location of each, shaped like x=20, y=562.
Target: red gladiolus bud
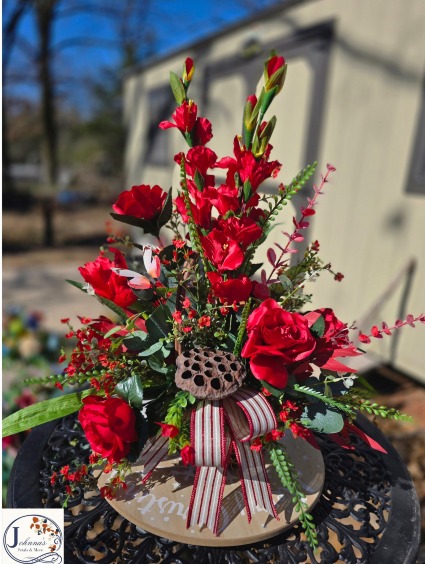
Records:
x=274, y=73
x=188, y=70
x=250, y=119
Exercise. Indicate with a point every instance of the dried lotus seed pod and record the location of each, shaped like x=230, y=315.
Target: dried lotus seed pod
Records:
x=209, y=374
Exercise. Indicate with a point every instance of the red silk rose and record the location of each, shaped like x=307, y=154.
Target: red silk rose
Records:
x=276, y=338
x=109, y=425
x=333, y=343
x=106, y=283
x=142, y=201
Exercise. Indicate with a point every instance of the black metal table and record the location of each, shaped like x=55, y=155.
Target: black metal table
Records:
x=368, y=510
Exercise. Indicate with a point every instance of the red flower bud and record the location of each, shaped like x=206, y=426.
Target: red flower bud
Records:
x=187, y=454
x=188, y=70
x=169, y=430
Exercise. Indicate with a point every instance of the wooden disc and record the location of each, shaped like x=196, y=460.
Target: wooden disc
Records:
x=161, y=505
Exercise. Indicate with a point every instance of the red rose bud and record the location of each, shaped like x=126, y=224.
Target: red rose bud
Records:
x=187, y=454
x=188, y=70
x=167, y=430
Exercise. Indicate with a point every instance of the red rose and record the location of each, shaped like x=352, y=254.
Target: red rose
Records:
x=276, y=338
x=333, y=343
x=106, y=283
x=231, y=291
x=109, y=425
x=141, y=201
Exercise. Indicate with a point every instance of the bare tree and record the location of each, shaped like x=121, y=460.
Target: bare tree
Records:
x=128, y=17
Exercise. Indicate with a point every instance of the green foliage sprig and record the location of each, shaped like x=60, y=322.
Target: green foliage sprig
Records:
x=287, y=475
x=285, y=195
x=176, y=416
x=380, y=410
x=242, y=328
x=193, y=230
x=326, y=399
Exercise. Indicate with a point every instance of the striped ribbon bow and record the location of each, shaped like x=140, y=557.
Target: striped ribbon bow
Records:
x=219, y=427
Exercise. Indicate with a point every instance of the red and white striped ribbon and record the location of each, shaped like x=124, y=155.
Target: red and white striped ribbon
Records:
x=255, y=483
x=248, y=415
x=155, y=450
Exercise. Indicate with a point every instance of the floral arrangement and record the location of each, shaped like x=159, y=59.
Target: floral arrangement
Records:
x=212, y=356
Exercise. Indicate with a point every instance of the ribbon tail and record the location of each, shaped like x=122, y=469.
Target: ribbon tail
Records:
x=368, y=440
x=254, y=480
x=156, y=449
x=207, y=497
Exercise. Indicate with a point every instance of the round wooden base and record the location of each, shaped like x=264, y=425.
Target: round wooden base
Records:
x=161, y=505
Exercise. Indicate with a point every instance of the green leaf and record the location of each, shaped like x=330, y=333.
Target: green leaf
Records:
x=274, y=391
x=177, y=88
x=156, y=324
x=148, y=226
x=42, y=412
x=152, y=349
x=143, y=435
x=131, y=390
x=199, y=180
x=144, y=295
x=166, y=211
x=112, y=331
x=78, y=285
x=286, y=283
x=318, y=327
x=135, y=341
x=254, y=267
x=247, y=190
x=322, y=419
x=114, y=307
x=157, y=365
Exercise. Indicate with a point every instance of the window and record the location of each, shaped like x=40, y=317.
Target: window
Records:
x=161, y=105
x=416, y=179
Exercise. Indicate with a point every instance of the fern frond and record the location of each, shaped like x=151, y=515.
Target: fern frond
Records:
x=326, y=399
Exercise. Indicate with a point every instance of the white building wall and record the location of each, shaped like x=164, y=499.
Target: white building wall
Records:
x=367, y=224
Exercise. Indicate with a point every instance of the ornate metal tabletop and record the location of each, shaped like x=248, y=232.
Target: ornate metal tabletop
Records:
x=368, y=510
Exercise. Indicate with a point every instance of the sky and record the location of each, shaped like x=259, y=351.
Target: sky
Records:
x=175, y=23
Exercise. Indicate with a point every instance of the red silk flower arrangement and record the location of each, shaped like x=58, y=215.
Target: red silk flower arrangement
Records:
x=201, y=328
